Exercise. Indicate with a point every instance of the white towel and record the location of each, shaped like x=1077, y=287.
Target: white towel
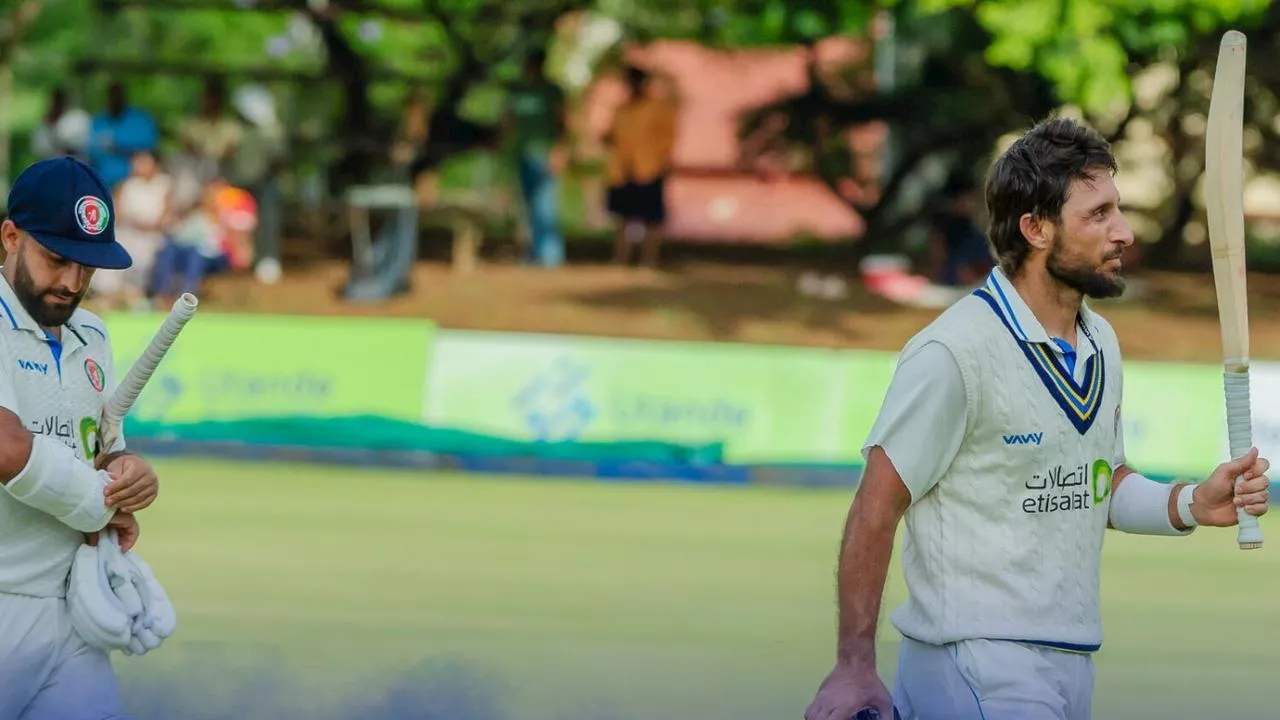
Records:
x=115, y=600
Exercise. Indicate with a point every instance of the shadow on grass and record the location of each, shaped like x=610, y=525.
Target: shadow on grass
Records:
x=212, y=688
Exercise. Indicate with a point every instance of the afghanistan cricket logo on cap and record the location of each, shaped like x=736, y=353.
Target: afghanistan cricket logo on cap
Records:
x=92, y=215
x=96, y=376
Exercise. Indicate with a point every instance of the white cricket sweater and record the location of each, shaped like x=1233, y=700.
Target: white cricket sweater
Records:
x=1008, y=544
x=57, y=389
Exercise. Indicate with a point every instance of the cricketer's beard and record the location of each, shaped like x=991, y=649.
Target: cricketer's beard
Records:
x=45, y=313
x=1082, y=276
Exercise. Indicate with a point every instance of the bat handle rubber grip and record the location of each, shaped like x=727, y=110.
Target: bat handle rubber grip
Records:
x=1240, y=440
x=873, y=714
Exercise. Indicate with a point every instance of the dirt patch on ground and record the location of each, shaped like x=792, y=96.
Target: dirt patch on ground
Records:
x=1167, y=317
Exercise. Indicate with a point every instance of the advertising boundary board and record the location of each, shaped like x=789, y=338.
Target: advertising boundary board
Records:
x=558, y=388
x=786, y=415
x=227, y=366
x=766, y=404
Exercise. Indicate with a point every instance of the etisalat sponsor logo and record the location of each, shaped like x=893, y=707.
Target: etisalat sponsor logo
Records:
x=1064, y=488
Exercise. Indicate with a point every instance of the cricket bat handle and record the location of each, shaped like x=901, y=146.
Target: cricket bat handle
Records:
x=873, y=714
x=144, y=367
x=1240, y=440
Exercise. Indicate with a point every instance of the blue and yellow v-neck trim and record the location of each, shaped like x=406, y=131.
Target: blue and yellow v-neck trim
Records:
x=1080, y=401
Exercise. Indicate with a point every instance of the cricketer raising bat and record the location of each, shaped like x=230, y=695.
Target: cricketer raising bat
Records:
x=1224, y=201
x=126, y=393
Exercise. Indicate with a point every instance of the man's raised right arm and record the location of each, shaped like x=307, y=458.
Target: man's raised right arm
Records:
x=40, y=472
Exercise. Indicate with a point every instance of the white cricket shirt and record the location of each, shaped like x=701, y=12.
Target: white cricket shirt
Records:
x=1008, y=448
x=57, y=388
x=922, y=421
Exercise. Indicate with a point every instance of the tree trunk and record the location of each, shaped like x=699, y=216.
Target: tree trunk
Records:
x=357, y=159
x=1165, y=251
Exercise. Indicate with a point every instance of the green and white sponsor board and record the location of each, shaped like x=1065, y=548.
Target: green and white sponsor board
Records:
x=230, y=367
x=766, y=404
x=774, y=404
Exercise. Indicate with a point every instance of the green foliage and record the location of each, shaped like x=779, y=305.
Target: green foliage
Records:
x=1009, y=60
x=740, y=23
x=779, y=22
x=1086, y=47
x=163, y=49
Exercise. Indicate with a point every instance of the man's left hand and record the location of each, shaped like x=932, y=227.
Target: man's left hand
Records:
x=126, y=527
x=1217, y=499
x=134, y=485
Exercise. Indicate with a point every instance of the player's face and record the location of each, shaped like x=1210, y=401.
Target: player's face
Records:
x=1090, y=238
x=49, y=286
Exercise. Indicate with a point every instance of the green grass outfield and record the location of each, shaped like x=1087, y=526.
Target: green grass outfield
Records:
x=329, y=592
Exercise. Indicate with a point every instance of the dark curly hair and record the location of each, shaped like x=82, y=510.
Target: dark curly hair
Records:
x=1033, y=176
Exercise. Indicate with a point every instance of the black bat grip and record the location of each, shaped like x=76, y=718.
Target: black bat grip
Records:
x=873, y=714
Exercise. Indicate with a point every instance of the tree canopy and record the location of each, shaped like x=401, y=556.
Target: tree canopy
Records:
x=964, y=72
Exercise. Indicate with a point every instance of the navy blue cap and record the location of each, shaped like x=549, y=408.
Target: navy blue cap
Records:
x=66, y=206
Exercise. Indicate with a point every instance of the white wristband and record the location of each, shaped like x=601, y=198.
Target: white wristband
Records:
x=1185, y=497
x=1140, y=506
x=56, y=481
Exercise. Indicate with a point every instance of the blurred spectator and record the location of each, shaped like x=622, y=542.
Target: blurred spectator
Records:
x=144, y=207
x=211, y=136
x=256, y=165
x=959, y=254
x=411, y=133
x=64, y=130
x=215, y=236
x=409, y=148
x=643, y=139
x=117, y=133
x=537, y=121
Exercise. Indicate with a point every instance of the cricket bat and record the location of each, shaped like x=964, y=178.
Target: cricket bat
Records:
x=126, y=393
x=1224, y=201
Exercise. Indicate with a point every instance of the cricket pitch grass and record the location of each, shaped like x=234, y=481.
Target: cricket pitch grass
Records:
x=327, y=592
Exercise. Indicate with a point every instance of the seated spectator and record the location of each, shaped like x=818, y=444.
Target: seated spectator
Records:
x=64, y=129
x=143, y=203
x=215, y=236
x=258, y=165
x=117, y=133
x=212, y=135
